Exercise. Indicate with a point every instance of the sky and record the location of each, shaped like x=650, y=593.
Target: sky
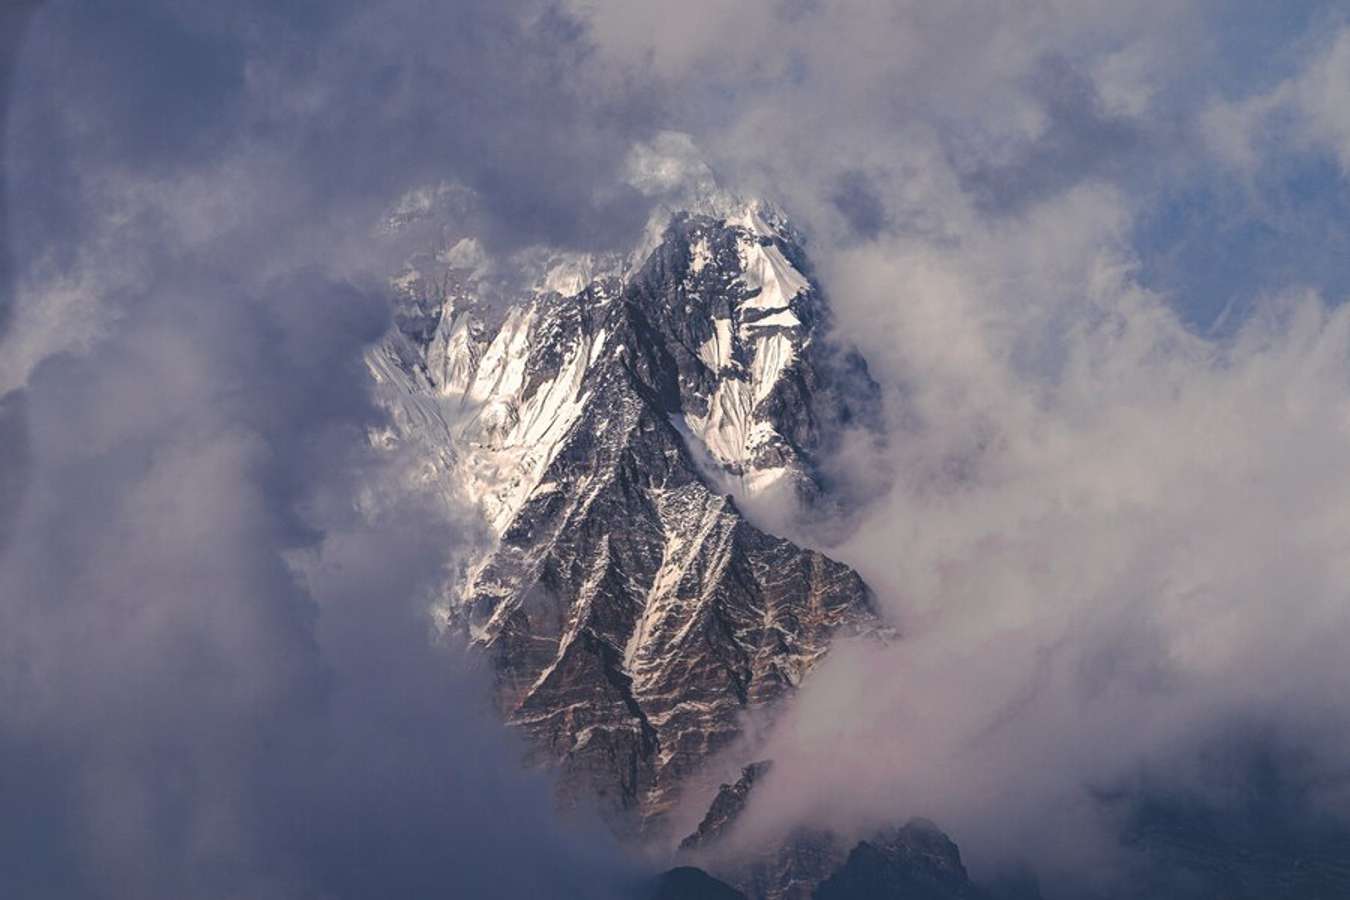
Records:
x=1095, y=253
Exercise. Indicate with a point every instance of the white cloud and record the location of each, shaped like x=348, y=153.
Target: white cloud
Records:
x=1109, y=541
x=1310, y=110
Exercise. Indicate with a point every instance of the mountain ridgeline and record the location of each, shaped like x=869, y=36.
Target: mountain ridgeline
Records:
x=610, y=426
x=631, y=610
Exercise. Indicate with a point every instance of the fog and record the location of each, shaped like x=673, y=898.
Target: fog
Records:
x=1094, y=254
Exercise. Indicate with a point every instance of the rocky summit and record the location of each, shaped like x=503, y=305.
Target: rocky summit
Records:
x=915, y=862
x=611, y=425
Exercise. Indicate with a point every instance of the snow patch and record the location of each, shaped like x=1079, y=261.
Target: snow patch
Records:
x=773, y=354
x=725, y=429
x=766, y=270
x=716, y=351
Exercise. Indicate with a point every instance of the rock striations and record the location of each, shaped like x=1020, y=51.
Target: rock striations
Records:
x=611, y=426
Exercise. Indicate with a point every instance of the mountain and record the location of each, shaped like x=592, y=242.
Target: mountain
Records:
x=687, y=883
x=914, y=862
x=726, y=807
x=611, y=425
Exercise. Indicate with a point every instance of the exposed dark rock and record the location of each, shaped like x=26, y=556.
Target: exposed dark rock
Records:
x=726, y=807
x=688, y=883
x=794, y=868
x=916, y=862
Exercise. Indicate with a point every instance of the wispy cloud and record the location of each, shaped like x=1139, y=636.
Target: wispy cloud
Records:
x=219, y=676
x=1112, y=534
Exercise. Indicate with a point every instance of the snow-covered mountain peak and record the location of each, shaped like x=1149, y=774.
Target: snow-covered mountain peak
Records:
x=751, y=383
x=599, y=417
x=728, y=300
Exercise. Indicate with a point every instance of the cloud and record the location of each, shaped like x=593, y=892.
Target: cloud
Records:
x=1111, y=538
x=1102, y=575
x=219, y=675
x=1079, y=139
x=856, y=199
x=1307, y=109
x=13, y=25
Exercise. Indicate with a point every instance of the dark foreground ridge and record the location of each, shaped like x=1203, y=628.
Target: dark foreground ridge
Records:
x=916, y=862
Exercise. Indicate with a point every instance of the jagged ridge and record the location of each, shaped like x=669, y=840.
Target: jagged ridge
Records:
x=631, y=610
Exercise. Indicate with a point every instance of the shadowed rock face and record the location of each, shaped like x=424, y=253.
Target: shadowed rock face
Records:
x=916, y=862
x=726, y=807
x=631, y=612
x=688, y=883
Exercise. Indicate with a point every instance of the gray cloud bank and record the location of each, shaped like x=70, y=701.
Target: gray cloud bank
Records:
x=218, y=673
x=1112, y=524
x=218, y=677
x=1114, y=540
